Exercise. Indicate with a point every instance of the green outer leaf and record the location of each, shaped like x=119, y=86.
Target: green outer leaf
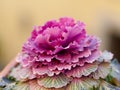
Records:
x=106, y=86
x=82, y=70
x=115, y=72
x=34, y=85
x=102, y=71
x=109, y=78
x=57, y=81
x=83, y=84
x=22, y=86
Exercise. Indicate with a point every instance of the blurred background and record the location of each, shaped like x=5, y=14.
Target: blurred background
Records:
x=17, y=17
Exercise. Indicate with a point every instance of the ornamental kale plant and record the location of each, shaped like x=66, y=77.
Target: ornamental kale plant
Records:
x=60, y=55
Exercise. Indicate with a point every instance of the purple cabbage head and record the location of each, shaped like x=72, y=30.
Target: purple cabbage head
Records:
x=58, y=46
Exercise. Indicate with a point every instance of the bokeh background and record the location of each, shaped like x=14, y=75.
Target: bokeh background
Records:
x=17, y=17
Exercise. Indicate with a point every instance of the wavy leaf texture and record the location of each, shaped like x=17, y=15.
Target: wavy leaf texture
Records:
x=54, y=82
x=35, y=86
x=115, y=69
x=106, y=86
x=22, y=86
x=83, y=70
x=105, y=56
x=102, y=71
x=32, y=85
x=21, y=73
x=82, y=84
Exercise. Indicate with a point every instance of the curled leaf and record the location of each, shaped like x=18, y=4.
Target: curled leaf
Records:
x=106, y=86
x=84, y=83
x=115, y=69
x=21, y=74
x=82, y=70
x=102, y=71
x=57, y=81
x=22, y=86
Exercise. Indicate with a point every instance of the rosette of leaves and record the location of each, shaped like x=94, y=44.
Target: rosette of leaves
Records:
x=60, y=55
